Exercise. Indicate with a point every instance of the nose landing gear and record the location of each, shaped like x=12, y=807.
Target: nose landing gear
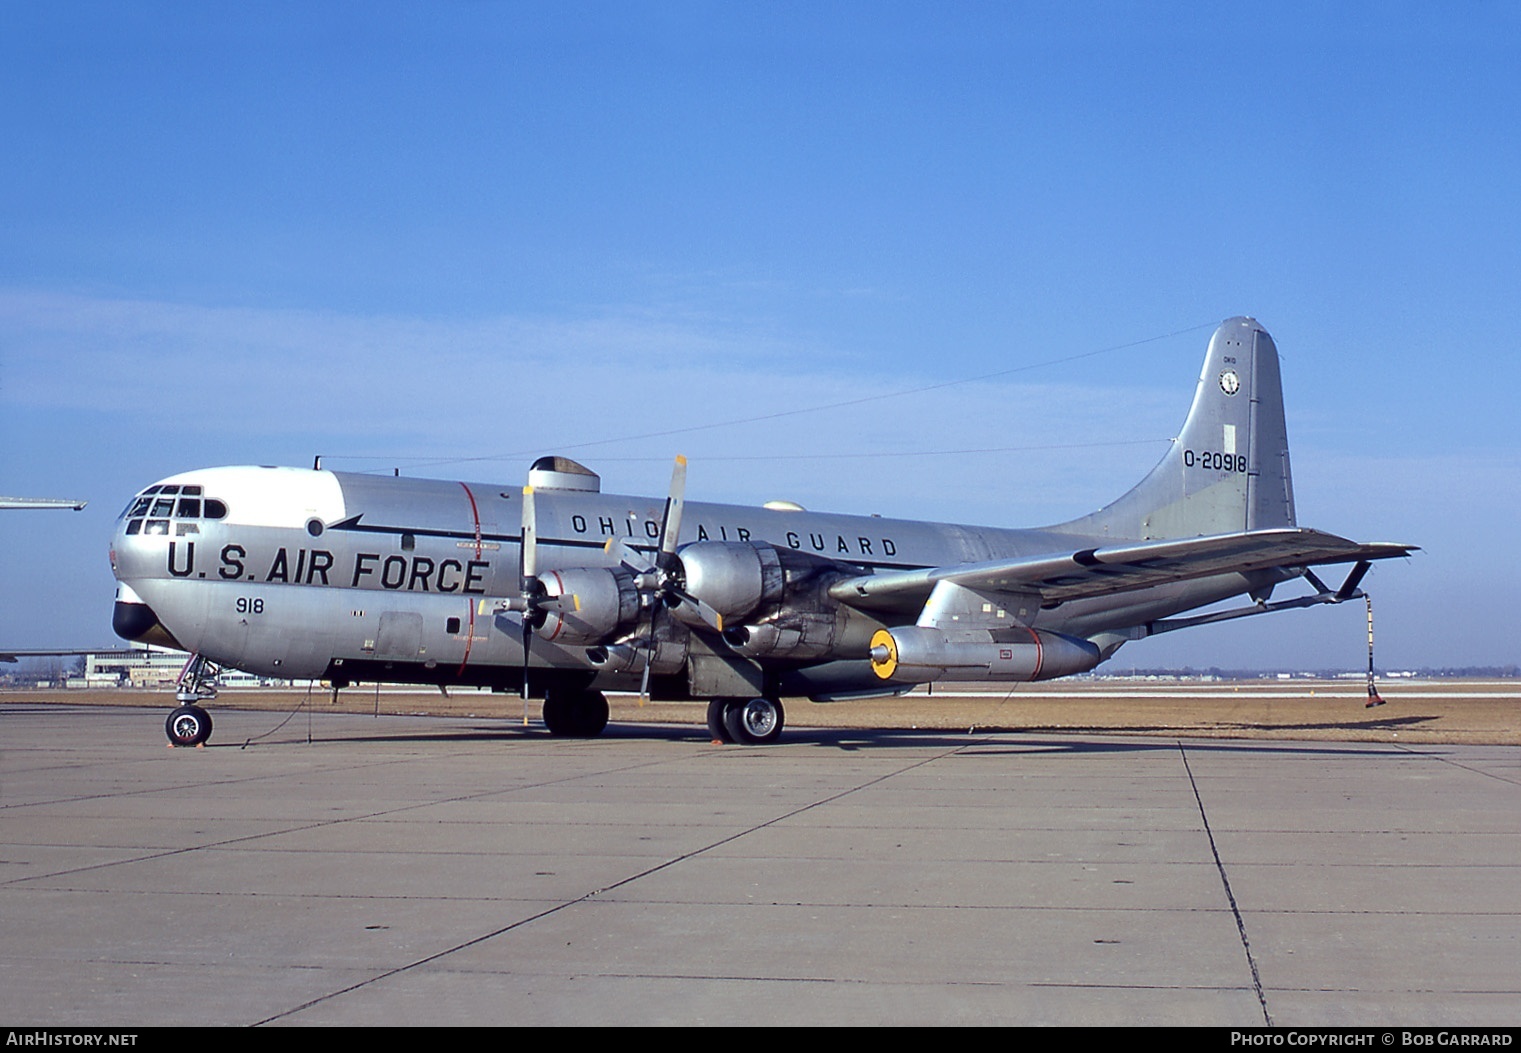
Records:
x=190, y=725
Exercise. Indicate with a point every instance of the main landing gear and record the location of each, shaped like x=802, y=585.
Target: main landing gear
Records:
x=190, y=725
x=745, y=721
x=748, y=722
x=575, y=714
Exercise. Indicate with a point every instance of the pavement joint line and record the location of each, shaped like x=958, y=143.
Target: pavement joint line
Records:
x=302, y=827
x=588, y=896
x=1225, y=881
x=1432, y=754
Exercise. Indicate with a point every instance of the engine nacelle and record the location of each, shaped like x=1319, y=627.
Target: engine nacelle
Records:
x=774, y=601
x=669, y=654
x=830, y=631
x=735, y=578
x=917, y=654
x=606, y=605
x=801, y=637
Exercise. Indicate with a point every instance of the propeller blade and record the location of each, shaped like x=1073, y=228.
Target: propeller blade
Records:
x=528, y=545
x=649, y=657
x=628, y=555
x=705, y=611
x=527, y=640
x=528, y=575
x=670, y=524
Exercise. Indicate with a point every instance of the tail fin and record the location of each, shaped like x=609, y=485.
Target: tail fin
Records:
x=1229, y=468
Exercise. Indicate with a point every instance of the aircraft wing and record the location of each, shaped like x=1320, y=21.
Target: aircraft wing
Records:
x=1057, y=577
x=12, y=655
x=42, y=502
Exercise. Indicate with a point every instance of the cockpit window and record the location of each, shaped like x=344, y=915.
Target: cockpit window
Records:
x=149, y=511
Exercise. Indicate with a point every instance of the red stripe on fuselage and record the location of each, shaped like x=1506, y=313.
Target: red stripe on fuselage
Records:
x=475, y=514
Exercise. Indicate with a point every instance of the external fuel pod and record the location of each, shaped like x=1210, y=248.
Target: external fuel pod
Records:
x=916, y=654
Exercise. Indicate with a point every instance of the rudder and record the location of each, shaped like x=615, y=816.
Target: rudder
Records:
x=1228, y=470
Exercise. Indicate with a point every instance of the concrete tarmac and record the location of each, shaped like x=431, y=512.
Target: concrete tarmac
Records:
x=409, y=870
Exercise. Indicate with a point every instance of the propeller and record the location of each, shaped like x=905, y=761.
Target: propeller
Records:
x=661, y=581
x=532, y=599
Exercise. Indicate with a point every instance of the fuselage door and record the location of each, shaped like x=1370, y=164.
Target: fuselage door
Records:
x=400, y=635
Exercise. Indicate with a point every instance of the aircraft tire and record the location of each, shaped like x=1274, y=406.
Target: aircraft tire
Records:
x=755, y=721
x=718, y=729
x=188, y=726
x=556, y=714
x=591, y=714
x=581, y=715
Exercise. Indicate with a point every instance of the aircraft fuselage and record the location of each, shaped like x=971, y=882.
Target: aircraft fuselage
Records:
x=358, y=577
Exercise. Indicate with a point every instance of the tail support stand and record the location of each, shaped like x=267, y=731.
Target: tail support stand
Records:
x=1373, y=696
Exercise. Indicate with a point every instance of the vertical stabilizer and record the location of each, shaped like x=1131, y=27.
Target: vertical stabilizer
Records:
x=1228, y=470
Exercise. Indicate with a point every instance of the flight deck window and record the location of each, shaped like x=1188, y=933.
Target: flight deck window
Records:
x=161, y=503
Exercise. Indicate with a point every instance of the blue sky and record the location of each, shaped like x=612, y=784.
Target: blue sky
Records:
x=452, y=236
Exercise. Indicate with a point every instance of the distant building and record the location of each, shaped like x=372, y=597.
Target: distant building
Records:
x=146, y=666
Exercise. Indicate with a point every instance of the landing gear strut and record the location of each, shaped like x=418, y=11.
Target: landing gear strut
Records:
x=190, y=725
x=748, y=722
x=575, y=714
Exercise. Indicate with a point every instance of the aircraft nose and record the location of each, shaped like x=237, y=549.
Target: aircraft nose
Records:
x=134, y=620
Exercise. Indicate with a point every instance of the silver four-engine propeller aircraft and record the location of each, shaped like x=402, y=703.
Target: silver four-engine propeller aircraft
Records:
x=561, y=592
